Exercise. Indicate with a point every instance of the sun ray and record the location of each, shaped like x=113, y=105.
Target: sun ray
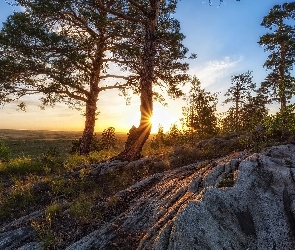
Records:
x=162, y=117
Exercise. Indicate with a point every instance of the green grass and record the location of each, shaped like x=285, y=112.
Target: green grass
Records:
x=33, y=143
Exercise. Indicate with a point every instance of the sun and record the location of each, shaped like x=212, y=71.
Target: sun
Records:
x=162, y=117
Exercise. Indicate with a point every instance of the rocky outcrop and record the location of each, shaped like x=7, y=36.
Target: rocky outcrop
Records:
x=242, y=201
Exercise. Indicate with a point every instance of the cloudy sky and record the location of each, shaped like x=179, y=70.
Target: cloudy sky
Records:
x=224, y=37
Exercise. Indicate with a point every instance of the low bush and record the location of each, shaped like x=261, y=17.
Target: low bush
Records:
x=4, y=152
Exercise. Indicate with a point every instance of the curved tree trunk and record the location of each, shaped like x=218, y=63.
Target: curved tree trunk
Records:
x=138, y=136
x=88, y=132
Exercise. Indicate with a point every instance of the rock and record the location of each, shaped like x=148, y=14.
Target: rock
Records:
x=31, y=246
x=22, y=221
x=106, y=167
x=139, y=163
x=18, y=239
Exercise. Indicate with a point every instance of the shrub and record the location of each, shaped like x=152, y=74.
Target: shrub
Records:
x=4, y=152
x=281, y=125
x=83, y=209
x=106, y=142
x=21, y=166
x=108, y=139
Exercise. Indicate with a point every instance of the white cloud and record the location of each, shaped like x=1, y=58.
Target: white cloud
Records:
x=215, y=72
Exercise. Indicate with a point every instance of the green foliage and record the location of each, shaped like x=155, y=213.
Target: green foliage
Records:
x=163, y=140
x=280, y=45
x=253, y=112
x=227, y=182
x=173, y=136
x=272, y=129
x=83, y=208
x=15, y=202
x=238, y=95
x=21, y=166
x=158, y=141
x=255, y=139
x=52, y=211
x=107, y=141
x=47, y=235
x=281, y=125
x=248, y=105
x=4, y=152
x=199, y=115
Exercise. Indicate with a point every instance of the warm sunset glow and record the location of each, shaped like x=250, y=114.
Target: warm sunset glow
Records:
x=164, y=117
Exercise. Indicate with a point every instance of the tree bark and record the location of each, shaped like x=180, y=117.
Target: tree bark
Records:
x=282, y=84
x=138, y=136
x=90, y=118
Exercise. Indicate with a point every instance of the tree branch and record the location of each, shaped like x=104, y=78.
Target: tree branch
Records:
x=118, y=14
x=116, y=60
x=115, y=76
x=116, y=86
x=139, y=7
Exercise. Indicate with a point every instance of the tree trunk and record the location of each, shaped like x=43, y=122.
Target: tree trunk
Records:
x=282, y=83
x=138, y=136
x=88, y=132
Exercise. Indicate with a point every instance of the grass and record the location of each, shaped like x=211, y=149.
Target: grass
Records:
x=33, y=143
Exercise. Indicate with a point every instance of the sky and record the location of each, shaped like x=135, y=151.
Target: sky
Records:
x=223, y=36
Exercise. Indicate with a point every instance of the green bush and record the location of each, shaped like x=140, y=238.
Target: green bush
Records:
x=21, y=166
x=281, y=125
x=106, y=142
x=4, y=152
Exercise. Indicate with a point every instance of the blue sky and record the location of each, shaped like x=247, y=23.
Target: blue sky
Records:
x=224, y=37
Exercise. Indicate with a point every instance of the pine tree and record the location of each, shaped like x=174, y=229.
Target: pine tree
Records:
x=200, y=115
x=238, y=94
x=280, y=42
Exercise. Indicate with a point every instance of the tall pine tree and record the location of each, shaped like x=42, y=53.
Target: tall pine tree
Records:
x=280, y=43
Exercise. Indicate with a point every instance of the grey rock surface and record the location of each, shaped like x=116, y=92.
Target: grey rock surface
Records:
x=18, y=239
x=187, y=209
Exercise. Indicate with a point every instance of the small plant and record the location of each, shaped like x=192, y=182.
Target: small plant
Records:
x=112, y=201
x=289, y=163
x=46, y=234
x=255, y=139
x=52, y=211
x=51, y=160
x=227, y=181
x=83, y=208
x=106, y=142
